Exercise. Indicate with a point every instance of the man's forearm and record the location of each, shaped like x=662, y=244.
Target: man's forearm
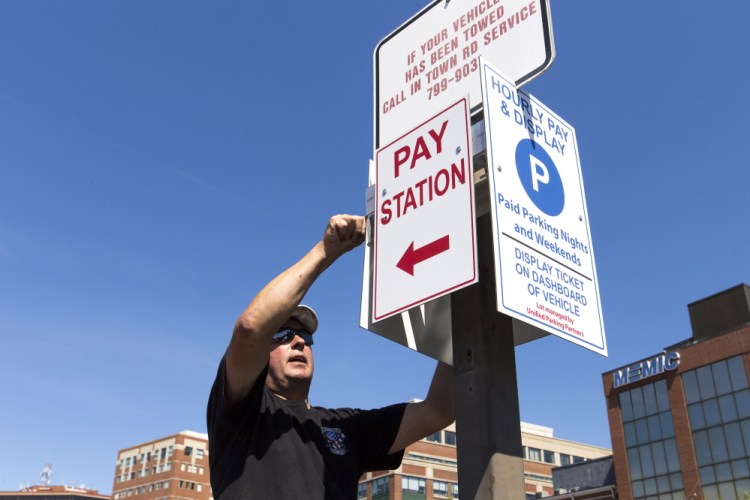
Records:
x=273, y=305
x=441, y=395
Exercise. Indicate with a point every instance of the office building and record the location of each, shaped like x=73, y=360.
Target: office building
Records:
x=429, y=468
x=49, y=492
x=680, y=419
x=589, y=480
x=173, y=468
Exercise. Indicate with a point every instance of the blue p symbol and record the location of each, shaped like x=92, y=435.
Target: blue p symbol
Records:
x=539, y=177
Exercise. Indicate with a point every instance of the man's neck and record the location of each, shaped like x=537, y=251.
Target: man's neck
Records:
x=289, y=397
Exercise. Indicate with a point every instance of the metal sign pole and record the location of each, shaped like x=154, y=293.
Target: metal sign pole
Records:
x=488, y=423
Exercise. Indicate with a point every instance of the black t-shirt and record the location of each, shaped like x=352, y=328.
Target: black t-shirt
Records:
x=268, y=447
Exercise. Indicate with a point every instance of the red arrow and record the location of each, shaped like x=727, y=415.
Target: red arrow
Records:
x=413, y=257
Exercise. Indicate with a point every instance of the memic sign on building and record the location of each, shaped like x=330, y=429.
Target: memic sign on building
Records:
x=647, y=368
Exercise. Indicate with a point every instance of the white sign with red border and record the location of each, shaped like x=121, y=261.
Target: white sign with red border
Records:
x=425, y=230
x=432, y=59
x=544, y=259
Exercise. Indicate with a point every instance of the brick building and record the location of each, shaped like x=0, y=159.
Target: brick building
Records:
x=48, y=492
x=680, y=419
x=429, y=469
x=174, y=468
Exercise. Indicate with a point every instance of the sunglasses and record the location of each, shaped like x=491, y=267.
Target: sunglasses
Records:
x=287, y=335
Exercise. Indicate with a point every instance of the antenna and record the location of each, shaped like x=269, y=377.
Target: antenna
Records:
x=44, y=477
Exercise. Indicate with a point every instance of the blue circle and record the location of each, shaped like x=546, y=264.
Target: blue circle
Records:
x=539, y=177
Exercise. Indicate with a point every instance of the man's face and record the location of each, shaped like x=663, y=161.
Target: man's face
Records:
x=290, y=366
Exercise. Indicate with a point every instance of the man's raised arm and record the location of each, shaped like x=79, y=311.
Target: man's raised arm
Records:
x=435, y=413
x=248, y=350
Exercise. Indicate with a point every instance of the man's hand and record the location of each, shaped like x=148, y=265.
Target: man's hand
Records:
x=343, y=233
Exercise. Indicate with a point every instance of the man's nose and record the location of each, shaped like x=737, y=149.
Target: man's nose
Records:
x=298, y=343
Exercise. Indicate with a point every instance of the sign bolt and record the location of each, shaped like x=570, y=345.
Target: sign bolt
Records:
x=384, y=192
x=458, y=150
x=499, y=168
x=580, y=218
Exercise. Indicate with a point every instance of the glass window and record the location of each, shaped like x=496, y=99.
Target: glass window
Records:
x=630, y=437
x=710, y=492
x=721, y=378
x=695, y=412
x=649, y=399
x=707, y=474
x=566, y=460
x=450, y=438
x=455, y=490
x=660, y=458
x=626, y=406
x=549, y=457
x=718, y=444
x=647, y=462
x=742, y=399
x=634, y=462
x=361, y=491
x=737, y=373
x=654, y=429
x=740, y=469
x=723, y=472
x=734, y=440
x=702, y=449
x=667, y=428
x=711, y=412
x=434, y=438
x=705, y=382
x=727, y=409
x=380, y=485
x=690, y=386
x=650, y=486
x=535, y=454
x=662, y=398
x=639, y=410
x=641, y=429
x=440, y=488
x=662, y=484
x=745, y=425
x=726, y=490
x=638, y=490
x=743, y=488
x=676, y=481
x=673, y=459
x=413, y=484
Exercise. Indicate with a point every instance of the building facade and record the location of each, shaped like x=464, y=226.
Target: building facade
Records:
x=429, y=469
x=49, y=492
x=680, y=419
x=173, y=468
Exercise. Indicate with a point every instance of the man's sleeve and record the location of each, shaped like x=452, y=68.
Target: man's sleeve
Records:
x=376, y=431
x=229, y=424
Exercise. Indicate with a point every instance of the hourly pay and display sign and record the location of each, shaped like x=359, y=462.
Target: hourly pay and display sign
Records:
x=425, y=231
x=544, y=260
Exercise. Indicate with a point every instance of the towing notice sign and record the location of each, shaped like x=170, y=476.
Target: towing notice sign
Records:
x=432, y=59
x=544, y=259
x=425, y=229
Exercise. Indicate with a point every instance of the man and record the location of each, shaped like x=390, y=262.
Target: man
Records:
x=265, y=439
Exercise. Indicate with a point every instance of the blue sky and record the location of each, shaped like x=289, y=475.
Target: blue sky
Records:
x=162, y=160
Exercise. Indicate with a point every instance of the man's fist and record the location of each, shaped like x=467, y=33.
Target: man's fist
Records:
x=343, y=233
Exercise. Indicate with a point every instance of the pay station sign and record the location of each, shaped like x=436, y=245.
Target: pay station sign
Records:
x=425, y=231
x=433, y=58
x=544, y=260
